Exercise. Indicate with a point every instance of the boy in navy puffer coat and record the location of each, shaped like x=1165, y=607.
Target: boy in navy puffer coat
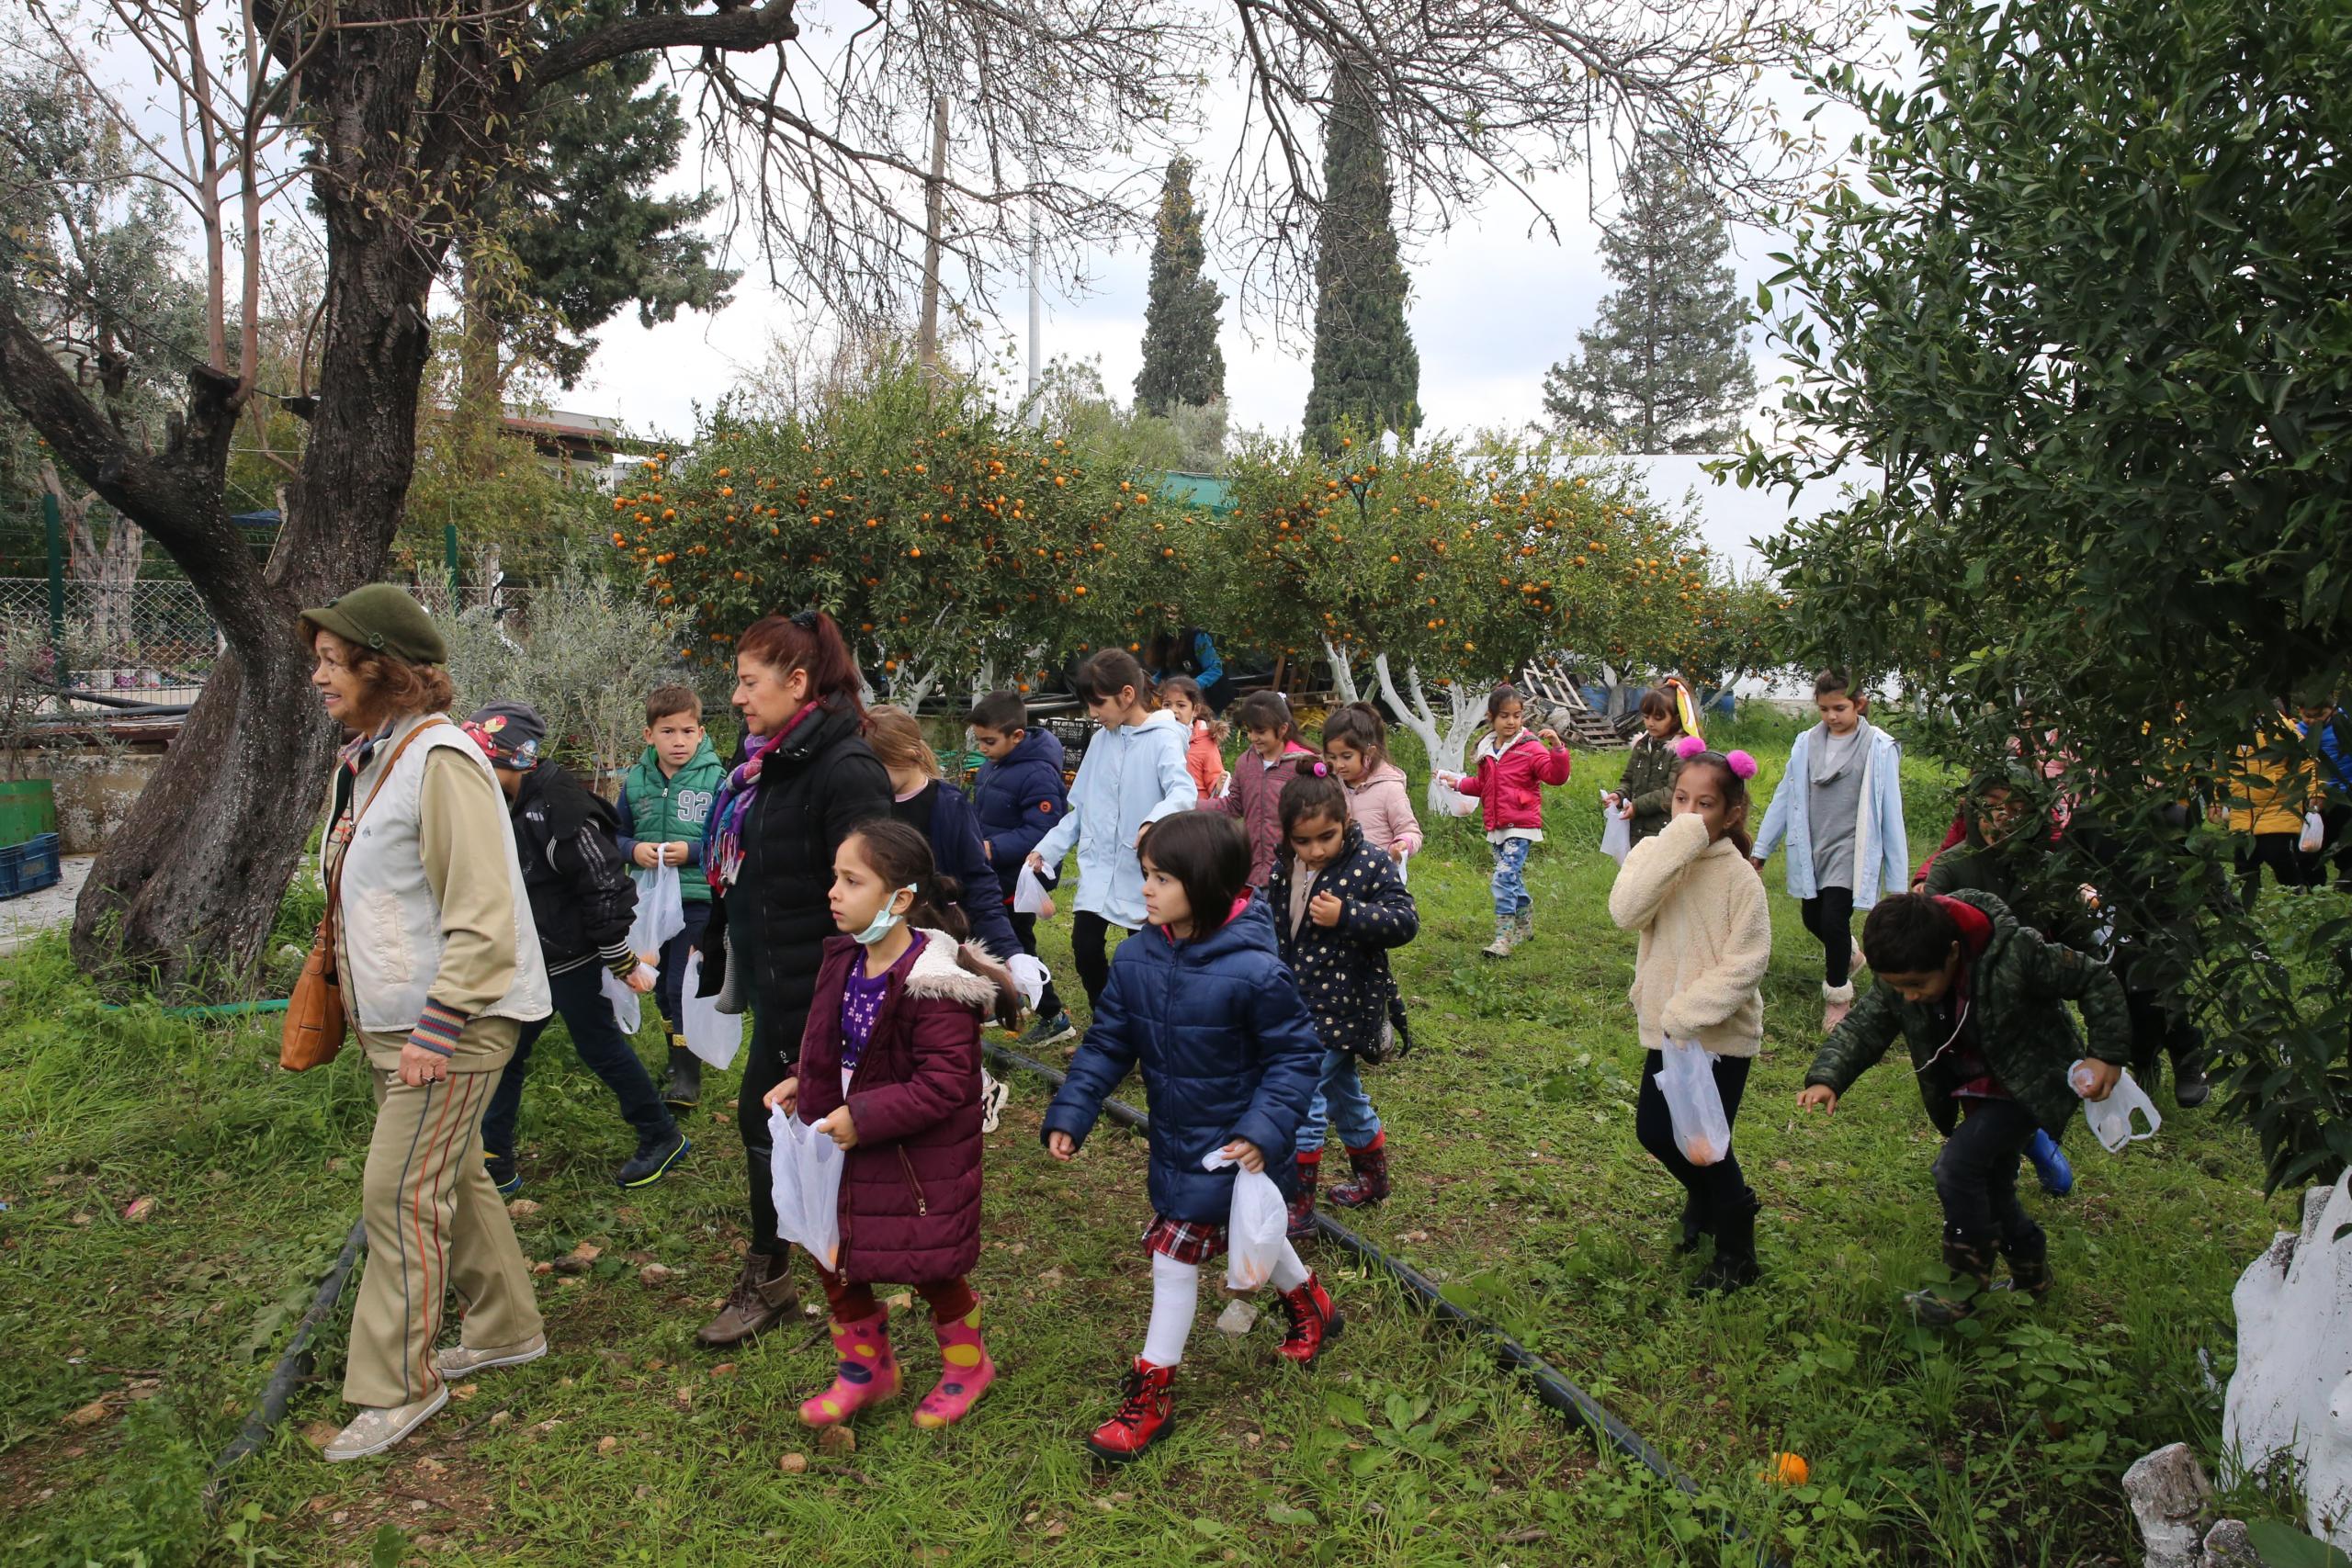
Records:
x=1339, y=907
x=1019, y=797
x=1229, y=1059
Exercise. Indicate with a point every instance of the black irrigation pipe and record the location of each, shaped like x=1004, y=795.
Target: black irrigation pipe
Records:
x=1552, y=1387
x=292, y=1366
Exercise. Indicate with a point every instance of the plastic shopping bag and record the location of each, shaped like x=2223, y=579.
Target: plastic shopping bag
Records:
x=713, y=1036
x=1617, y=836
x=1686, y=1077
x=2314, y=836
x=1028, y=893
x=661, y=909
x=626, y=1011
x=2111, y=1119
x=806, y=1169
x=1450, y=800
x=1257, y=1229
x=1029, y=978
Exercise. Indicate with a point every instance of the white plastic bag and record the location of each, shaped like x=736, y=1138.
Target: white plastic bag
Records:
x=1029, y=894
x=660, y=910
x=1687, y=1078
x=1029, y=978
x=626, y=1011
x=2314, y=836
x=1403, y=863
x=1617, y=838
x=713, y=1036
x=1451, y=800
x=2111, y=1119
x=807, y=1169
x=1256, y=1228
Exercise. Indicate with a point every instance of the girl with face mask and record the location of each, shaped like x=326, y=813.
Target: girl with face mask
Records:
x=889, y=1069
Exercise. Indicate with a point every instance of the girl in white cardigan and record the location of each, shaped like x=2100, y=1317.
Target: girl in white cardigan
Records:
x=1706, y=937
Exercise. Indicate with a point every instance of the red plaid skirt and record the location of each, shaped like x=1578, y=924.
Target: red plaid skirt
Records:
x=1183, y=1240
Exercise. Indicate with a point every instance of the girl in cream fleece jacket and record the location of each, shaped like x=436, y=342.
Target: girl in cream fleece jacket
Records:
x=1706, y=938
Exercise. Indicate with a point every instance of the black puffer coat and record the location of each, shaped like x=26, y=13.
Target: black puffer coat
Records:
x=819, y=782
x=1342, y=970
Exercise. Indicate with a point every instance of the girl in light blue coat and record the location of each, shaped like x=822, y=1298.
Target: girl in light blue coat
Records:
x=1131, y=776
x=1841, y=808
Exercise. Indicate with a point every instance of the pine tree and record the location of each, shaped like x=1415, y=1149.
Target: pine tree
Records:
x=1666, y=368
x=1181, y=362
x=1365, y=366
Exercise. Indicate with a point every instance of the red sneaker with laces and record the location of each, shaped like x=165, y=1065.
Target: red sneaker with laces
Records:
x=1144, y=1415
x=1314, y=1321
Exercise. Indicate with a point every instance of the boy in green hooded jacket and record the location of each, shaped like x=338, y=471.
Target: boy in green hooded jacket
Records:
x=1981, y=1001
x=664, y=805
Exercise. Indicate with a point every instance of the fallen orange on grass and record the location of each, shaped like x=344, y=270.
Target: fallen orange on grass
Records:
x=1788, y=1470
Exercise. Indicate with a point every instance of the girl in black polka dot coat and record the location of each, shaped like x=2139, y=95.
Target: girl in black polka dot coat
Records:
x=1339, y=906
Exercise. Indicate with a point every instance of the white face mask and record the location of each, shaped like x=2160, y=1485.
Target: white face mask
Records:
x=879, y=926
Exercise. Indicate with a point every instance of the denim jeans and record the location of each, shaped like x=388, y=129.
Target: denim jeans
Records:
x=1340, y=1103
x=580, y=1001
x=1510, y=887
x=1976, y=1177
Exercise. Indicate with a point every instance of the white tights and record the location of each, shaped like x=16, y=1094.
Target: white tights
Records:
x=1176, y=1299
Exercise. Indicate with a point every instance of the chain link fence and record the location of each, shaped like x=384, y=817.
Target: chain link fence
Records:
x=155, y=641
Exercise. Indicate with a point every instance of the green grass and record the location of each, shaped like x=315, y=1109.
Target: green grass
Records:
x=1519, y=1185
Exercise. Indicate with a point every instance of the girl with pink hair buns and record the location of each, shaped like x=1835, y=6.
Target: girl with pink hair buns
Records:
x=1706, y=938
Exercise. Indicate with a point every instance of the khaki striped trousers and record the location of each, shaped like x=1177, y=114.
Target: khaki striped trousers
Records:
x=436, y=1227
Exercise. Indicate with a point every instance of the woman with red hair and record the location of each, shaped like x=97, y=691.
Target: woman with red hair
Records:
x=805, y=779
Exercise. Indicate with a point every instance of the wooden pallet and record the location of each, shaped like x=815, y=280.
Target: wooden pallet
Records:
x=1544, y=681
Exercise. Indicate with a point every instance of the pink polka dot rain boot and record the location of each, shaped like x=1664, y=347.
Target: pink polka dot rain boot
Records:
x=965, y=1371
x=868, y=1373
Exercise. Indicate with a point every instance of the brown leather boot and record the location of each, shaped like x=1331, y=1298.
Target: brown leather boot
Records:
x=763, y=1298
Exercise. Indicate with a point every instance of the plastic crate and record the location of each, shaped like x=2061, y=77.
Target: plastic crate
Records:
x=29, y=867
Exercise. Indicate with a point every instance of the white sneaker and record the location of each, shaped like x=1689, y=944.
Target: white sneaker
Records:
x=464, y=1360
x=993, y=1095
x=378, y=1429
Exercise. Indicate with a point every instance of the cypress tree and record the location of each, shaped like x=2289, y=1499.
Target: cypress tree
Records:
x=1181, y=362
x=1365, y=366
x=1666, y=368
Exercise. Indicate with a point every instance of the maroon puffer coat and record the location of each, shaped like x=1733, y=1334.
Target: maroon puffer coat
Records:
x=911, y=1190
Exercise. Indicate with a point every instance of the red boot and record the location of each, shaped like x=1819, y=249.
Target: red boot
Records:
x=1367, y=1174
x=1144, y=1415
x=1314, y=1321
x=1309, y=1171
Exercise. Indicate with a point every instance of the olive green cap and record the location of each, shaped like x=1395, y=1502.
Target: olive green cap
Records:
x=382, y=616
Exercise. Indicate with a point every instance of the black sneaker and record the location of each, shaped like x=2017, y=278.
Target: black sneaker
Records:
x=1048, y=1032
x=653, y=1161
x=2190, y=1086
x=503, y=1174
x=683, y=1091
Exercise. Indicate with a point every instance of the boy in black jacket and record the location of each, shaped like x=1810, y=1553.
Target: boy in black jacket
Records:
x=584, y=904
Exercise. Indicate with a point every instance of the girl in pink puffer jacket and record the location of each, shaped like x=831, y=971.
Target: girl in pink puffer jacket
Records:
x=1355, y=743
x=1511, y=769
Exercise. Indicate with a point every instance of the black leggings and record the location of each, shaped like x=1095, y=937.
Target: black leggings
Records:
x=2282, y=852
x=769, y=1057
x=1716, y=1189
x=1829, y=915
x=1976, y=1179
x=1089, y=936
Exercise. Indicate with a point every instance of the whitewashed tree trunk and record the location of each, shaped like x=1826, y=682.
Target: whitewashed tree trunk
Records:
x=1343, y=674
x=983, y=681
x=1445, y=736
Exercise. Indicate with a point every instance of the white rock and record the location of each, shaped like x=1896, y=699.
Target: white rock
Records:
x=2289, y=1403
x=1238, y=1318
x=2228, y=1545
x=2169, y=1493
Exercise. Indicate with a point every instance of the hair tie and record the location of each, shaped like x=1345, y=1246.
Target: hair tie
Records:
x=1689, y=747
x=805, y=619
x=1320, y=770
x=1740, y=763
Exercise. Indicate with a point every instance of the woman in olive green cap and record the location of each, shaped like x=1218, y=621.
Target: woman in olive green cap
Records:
x=440, y=967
